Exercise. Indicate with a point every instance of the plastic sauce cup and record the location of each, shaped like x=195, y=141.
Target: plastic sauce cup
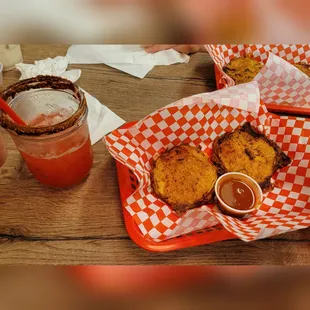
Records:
x=229, y=210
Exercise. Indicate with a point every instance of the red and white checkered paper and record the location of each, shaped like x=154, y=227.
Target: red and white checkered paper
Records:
x=279, y=81
x=198, y=120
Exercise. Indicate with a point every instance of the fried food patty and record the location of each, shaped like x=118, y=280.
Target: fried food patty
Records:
x=305, y=68
x=244, y=69
x=184, y=177
x=249, y=151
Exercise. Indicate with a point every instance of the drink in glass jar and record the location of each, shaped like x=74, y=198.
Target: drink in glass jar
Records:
x=55, y=144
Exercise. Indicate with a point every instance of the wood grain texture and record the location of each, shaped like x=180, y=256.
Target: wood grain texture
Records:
x=84, y=225
x=122, y=251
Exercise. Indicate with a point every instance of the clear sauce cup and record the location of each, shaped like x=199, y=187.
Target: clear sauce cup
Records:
x=250, y=183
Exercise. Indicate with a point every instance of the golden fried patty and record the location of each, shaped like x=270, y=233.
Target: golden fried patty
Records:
x=305, y=68
x=243, y=69
x=248, y=151
x=184, y=177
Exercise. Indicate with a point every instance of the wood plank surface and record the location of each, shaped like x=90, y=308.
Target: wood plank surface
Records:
x=84, y=225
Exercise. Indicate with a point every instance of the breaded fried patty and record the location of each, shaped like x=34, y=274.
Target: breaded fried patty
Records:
x=249, y=151
x=305, y=68
x=243, y=69
x=184, y=177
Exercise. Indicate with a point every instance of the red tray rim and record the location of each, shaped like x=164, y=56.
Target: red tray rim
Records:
x=275, y=108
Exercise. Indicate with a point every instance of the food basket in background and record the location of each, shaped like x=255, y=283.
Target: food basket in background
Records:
x=283, y=88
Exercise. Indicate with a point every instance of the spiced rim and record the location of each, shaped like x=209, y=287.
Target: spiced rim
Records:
x=41, y=82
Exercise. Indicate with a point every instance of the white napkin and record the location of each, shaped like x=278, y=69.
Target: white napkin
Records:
x=49, y=66
x=131, y=59
x=101, y=120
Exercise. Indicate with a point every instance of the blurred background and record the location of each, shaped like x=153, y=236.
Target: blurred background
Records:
x=154, y=21
x=154, y=288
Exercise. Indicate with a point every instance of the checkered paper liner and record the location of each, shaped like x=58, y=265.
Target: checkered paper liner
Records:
x=279, y=81
x=198, y=120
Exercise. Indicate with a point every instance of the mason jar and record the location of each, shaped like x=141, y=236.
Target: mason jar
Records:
x=55, y=143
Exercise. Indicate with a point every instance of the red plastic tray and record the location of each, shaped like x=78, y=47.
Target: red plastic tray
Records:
x=127, y=185
x=275, y=108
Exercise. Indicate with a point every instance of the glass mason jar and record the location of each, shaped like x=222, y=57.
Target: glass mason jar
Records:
x=55, y=144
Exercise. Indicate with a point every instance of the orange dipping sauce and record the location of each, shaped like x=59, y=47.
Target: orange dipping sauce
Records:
x=237, y=194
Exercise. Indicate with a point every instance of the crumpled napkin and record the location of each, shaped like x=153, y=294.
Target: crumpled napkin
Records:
x=131, y=59
x=57, y=66
x=101, y=120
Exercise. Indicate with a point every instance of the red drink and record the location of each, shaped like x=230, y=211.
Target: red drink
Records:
x=55, y=144
x=63, y=162
x=59, y=171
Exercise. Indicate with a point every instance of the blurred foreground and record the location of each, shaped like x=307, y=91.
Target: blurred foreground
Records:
x=154, y=21
x=154, y=288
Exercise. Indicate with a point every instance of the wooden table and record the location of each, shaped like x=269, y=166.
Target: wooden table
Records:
x=84, y=225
